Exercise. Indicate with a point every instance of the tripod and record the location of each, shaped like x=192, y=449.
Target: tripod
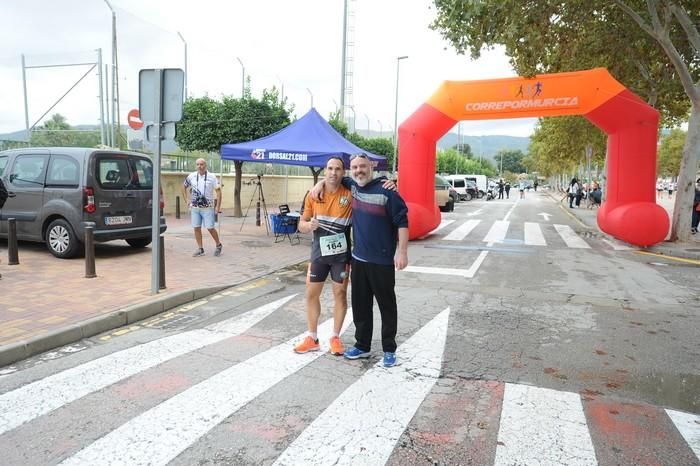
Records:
x=261, y=200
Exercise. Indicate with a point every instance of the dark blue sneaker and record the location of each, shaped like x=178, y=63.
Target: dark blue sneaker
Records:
x=354, y=353
x=389, y=359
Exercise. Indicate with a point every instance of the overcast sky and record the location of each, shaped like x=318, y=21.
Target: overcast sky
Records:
x=296, y=44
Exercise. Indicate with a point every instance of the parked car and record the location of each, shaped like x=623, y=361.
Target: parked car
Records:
x=54, y=192
x=466, y=188
x=442, y=195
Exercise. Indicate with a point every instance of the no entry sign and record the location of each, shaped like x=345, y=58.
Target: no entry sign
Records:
x=134, y=120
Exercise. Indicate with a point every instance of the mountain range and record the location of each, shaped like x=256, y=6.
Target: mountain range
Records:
x=486, y=146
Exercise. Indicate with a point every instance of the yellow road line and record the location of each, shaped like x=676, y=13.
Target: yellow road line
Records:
x=663, y=256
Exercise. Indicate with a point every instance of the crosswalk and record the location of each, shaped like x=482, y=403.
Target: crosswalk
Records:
x=525, y=233
x=377, y=418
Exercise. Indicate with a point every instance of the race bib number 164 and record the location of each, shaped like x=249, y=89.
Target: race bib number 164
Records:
x=333, y=244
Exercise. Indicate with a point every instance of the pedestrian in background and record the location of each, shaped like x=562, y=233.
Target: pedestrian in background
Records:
x=205, y=203
x=329, y=221
x=670, y=188
x=507, y=189
x=572, y=190
x=500, y=188
x=521, y=188
x=696, y=208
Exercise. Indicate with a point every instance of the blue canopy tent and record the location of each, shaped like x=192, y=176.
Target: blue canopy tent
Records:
x=309, y=141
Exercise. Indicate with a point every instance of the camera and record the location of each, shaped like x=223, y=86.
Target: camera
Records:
x=201, y=201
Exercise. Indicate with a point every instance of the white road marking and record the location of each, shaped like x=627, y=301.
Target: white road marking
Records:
x=443, y=224
x=689, y=427
x=439, y=271
x=364, y=423
x=497, y=233
x=476, y=212
x=538, y=424
x=163, y=432
x=533, y=234
x=462, y=231
x=570, y=237
x=618, y=245
x=545, y=215
x=50, y=393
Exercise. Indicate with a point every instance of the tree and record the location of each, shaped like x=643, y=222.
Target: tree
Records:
x=58, y=133
x=451, y=161
x=558, y=145
x=656, y=50
x=670, y=153
x=464, y=149
x=510, y=161
x=207, y=124
x=378, y=146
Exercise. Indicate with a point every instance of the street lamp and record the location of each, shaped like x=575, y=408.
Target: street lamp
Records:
x=336, y=105
x=367, y=124
x=242, y=77
x=312, y=97
x=381, y=128
x=281, y=89
x=184, y=42
x=351, y=107
x=396, y=113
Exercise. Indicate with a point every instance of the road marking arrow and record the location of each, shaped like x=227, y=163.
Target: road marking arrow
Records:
x=476, y=212
x=545, y=215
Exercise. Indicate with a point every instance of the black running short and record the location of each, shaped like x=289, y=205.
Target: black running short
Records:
x=317, y=273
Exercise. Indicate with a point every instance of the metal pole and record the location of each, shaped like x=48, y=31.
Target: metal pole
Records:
x=396, y=114
x=242, y=77
x=381, y=128
x=155, y=200
x=26, y=104
x=90, y=252
x=368, y=128
x=161, y=275
x=114, y=73
x=12, y=254
x=312, y=97
x=108, y=121
x=102, y=97
x=352, y=107
x=344, y=46
x=184, y=42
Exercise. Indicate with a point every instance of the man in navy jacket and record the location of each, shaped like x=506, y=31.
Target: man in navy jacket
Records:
x=379, y=222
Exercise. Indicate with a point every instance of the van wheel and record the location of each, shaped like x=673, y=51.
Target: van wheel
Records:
x=450, y=206
x=61, y=240
x=468, y=197
x=139, y=242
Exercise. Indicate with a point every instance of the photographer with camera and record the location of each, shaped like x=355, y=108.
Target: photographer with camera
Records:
x=203, y=205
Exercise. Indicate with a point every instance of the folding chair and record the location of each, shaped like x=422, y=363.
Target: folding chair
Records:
x=285, y=225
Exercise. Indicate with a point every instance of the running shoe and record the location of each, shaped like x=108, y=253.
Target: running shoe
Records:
x=337, y=347
x=389, y=359
x=198, y=252
x=354, y=353
x=307, y=344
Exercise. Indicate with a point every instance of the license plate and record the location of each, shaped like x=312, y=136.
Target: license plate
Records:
x=120, y=220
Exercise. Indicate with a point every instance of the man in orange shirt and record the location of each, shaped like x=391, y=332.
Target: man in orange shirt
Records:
x=329, y=219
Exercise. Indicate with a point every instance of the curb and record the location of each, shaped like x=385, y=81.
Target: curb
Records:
x=661, y=249
x=23, y=349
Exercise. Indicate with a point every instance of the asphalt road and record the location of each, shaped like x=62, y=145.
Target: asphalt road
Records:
x=523, y=340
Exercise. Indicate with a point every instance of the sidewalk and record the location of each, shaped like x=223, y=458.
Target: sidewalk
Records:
x=588, y=218
x=47, y=302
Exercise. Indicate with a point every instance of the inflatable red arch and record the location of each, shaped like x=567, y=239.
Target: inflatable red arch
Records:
x=629, y=213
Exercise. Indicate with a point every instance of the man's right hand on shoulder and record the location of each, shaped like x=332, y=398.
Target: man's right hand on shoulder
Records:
x=316, y=192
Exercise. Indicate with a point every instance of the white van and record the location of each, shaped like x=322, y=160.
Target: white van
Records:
x=466, y=189
x=481, y=182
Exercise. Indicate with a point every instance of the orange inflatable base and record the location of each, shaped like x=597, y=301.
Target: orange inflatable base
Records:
x=639, y=223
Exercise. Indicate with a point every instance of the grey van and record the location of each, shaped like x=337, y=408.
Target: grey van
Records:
x=55, y=191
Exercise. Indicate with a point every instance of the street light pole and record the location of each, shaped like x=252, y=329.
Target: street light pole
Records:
x=242, y=77
x=396, y=114
x=351, y=107
x=381, y=128
x=312, y=97
x=367, y=124
x=185, y=43
x=115, y=101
